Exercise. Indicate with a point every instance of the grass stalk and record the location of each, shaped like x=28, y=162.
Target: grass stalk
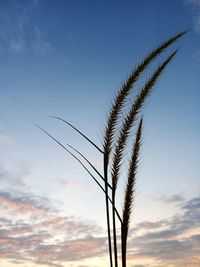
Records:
x=130, y=118
x=126, y=89
x=124, y=133
x=129, y=193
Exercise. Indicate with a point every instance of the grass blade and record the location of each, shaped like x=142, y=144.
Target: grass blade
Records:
x=90, y=141
x=89, y=164
x=60, y=144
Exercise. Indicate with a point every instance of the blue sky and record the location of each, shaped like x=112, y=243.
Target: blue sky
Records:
x=68, y=59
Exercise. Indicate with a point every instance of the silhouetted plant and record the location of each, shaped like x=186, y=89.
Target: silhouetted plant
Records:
x=113, y=148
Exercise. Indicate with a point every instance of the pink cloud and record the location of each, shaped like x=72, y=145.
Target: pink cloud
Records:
x=18, y=207
x=54, y=240
x=36, y=232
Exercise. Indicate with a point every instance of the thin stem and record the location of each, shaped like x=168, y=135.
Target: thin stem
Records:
x=114, y=228
x=130, y=190
x=116, y=211
x=107, y=209
x=89, y=164
x=90, y=141
x=60, y=144
x=123, y=247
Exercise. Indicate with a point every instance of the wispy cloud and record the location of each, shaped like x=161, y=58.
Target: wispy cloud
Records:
x=174, y=199
x=73, y=185
x=41, y=46
x=13, y=171
x=6, y=140
x=195, y=6
x=10, y=178
x=19, y=29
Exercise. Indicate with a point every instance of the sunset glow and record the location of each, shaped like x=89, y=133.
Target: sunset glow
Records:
x=68, y=59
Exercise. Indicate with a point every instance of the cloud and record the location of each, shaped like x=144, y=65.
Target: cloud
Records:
x=19, y=29
x=146, y=225
x=24, y=205
x=32, y=230
x=11, y=178
x=73, y=185
x=6, y=140
x=71, y=250
x=195, y=6
x=14, y=171
x=174, y=241
x=170, y=251
x=194, y=2
x=41, y=46
x=174, y=199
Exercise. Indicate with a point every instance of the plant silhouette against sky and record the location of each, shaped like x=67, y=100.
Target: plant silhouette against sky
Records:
x=115, y=144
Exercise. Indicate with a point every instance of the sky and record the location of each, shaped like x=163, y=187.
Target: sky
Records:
x=69, y=59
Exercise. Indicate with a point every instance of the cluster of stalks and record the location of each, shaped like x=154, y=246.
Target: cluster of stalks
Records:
x=114, y=146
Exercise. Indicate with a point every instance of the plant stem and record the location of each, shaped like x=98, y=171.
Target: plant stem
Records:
x=114, y=227
x=107, y=208
x=123, y=247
